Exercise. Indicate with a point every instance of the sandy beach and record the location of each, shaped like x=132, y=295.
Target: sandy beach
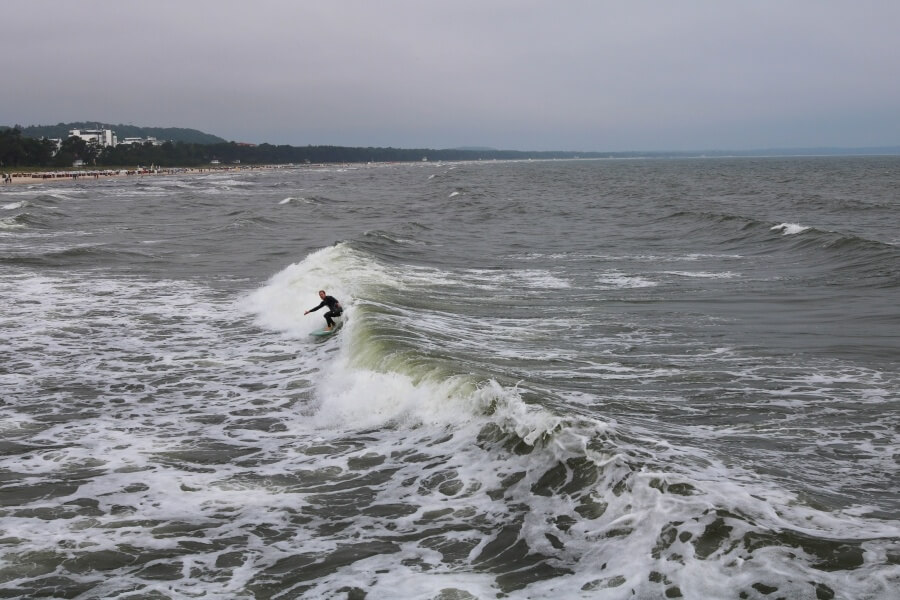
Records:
x=97, y=174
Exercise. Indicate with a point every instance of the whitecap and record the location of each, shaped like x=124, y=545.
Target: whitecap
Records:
x=789, y=228
x=703, y=274
x=614, y=279
x=279, y=304
x=492, y=279
x=10, y=223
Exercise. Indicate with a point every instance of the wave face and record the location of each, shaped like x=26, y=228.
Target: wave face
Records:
x=598, y=379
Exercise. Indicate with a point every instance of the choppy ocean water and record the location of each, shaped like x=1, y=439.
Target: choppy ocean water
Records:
x=574, y=379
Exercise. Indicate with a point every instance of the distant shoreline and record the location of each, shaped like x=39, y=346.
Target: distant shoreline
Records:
x=72, y=175
x=39, y=175
x=24, y=178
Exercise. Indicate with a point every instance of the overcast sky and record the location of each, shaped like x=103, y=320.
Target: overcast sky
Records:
x=511, y=74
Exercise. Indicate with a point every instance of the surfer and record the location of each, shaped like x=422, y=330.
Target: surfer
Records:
x=334, y=308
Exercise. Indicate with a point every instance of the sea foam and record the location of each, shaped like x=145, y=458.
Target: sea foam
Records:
x=789, y=228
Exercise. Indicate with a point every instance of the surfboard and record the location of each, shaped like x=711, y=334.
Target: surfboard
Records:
x=326, y=332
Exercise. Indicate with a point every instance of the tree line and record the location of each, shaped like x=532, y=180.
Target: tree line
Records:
x=18, y=150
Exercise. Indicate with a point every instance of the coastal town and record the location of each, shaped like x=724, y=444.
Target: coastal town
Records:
x=107, y=137
x=103, y=138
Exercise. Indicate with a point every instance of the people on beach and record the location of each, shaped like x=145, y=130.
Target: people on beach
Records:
x=41, y=176
x=334, y=309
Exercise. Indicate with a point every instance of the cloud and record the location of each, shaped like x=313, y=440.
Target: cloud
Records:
x=511, y=74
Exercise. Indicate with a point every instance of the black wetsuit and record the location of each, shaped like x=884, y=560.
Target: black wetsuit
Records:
x=334, y=307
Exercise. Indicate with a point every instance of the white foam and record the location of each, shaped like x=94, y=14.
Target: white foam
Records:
x=704, y=274
x=9, y=223
x=790, y=228
x=172, y=364
x=537, y=279
x=616, y=280
x=280, y=303
x=224, y=180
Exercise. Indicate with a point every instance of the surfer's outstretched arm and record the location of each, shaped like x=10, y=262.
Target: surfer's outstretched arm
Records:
x=315, y=309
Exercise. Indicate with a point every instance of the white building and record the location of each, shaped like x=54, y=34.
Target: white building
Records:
x=139, y=141
x=101, y=137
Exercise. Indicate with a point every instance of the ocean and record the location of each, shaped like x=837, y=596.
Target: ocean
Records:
x=611, y=379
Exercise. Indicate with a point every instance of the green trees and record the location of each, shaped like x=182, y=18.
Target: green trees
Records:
x=179, y=134
x=12, y=150
x=168, y=154
x=16, y=150
x=73, y=149
x=19, y=151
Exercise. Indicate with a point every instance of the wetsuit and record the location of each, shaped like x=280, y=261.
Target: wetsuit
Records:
x=334, y=309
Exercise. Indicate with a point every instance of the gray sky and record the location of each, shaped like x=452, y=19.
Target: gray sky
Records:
x=512, y=74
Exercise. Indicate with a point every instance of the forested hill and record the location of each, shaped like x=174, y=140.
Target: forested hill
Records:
x=175, y=134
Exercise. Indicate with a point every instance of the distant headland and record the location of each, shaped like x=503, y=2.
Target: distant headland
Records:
x=172, y=134
x=103, y=145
